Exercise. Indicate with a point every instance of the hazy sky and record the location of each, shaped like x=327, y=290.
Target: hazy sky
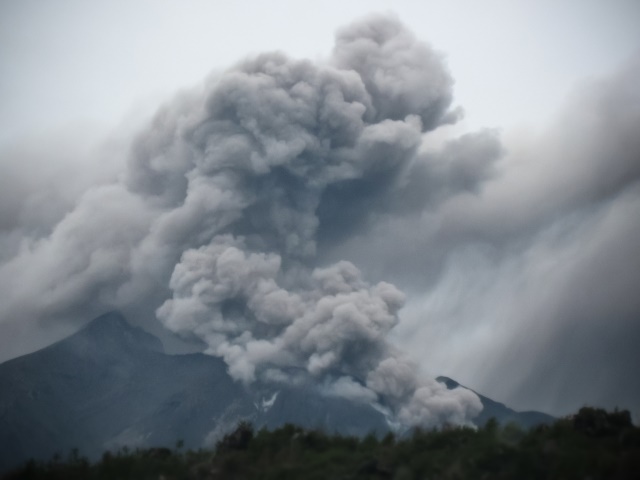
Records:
x=516, y=246
x=513, y=61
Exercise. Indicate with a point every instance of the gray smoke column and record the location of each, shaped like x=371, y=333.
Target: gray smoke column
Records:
x=215, y=220
x=258, y=150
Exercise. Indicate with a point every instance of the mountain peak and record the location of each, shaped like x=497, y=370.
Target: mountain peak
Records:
x=112, y=329
x=449, y=382
x=110, y=321
x=499, y=411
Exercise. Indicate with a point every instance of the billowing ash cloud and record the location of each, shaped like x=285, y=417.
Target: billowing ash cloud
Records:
x=231, y=191
x=264, y=213
x=271, y=137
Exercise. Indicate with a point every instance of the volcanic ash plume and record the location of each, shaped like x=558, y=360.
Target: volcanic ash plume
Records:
x=258, y=151
x=215, y=221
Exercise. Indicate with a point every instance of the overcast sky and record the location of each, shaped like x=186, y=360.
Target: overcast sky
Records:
x=516, y=247
x=513, y=61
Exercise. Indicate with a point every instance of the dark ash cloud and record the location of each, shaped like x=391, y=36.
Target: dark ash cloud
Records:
x=215, y=220
x=269, y=212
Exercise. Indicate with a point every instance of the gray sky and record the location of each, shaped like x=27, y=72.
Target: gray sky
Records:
x=513, y=61
x=516, y=247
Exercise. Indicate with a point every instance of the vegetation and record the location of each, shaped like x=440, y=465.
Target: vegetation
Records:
x=592, y=444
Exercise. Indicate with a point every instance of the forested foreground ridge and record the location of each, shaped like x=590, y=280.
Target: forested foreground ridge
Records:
x=592, y=444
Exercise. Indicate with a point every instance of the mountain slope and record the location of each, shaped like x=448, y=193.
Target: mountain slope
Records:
x=111, y=385
x=499, y=411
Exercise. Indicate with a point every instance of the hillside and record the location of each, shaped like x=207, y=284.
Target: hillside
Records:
x=111, y=385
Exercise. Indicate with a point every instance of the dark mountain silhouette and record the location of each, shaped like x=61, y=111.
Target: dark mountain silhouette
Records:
x=111, y=385
x=499, y=411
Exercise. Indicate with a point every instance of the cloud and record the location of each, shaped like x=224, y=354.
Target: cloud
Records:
x=276, y=211
x=216, y=219
x=537, y=272
x=403, y=75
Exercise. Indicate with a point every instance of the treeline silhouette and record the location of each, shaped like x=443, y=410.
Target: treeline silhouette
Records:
x=592, y=444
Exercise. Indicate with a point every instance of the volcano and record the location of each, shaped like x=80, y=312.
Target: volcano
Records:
x=111, y=385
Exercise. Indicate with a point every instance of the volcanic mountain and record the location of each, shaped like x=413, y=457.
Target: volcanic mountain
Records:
x=111, y=385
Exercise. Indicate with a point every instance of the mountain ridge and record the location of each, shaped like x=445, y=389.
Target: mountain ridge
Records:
x=499, y=411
